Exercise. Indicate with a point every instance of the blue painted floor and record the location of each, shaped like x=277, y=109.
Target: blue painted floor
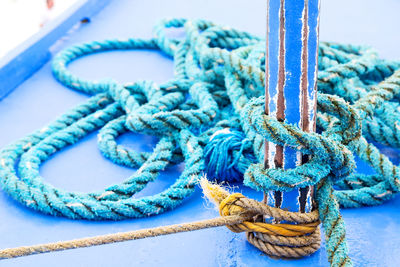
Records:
x=373, y=234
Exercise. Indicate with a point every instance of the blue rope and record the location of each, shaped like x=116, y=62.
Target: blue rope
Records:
x=210, y=116
x=222, y=155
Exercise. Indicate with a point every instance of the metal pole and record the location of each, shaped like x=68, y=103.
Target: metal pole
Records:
x=290, y=88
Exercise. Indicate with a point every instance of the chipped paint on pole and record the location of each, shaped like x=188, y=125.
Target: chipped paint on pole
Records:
x=291, y=68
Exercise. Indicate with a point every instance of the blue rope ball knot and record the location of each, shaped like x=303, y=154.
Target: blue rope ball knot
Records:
x=227, y=155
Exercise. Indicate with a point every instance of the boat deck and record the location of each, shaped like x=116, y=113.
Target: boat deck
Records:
x=373, y=233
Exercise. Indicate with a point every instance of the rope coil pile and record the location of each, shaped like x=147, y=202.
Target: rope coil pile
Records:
x=211, y=116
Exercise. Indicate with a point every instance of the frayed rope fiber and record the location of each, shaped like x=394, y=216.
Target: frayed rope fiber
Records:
x=211, y=116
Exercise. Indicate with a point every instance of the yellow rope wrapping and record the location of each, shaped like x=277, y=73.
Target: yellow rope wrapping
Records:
x=281, y=239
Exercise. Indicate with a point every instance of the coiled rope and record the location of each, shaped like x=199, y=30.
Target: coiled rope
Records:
x=210, y=115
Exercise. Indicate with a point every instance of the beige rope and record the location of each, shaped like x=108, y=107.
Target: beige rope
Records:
x=299, y=239
x=285, y=251
x=237, y=212
x=119, y=237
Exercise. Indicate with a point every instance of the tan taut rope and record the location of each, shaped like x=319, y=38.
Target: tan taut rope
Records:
x=237, y=213
x=119, y=237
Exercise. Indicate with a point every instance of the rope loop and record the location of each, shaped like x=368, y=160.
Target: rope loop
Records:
x=275, y=239
x=327, y=156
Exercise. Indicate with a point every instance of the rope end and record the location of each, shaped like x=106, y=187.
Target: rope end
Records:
x=213, y=191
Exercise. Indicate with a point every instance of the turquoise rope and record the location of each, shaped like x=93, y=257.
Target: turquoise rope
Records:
x=211, y=116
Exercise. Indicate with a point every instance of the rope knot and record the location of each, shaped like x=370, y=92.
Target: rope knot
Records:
x=227, y=155
x=328, y=155
x=228, y=207
x=300, y=237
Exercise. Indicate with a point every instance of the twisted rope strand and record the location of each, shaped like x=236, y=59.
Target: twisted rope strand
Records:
x=279, y=240
x=118, y=237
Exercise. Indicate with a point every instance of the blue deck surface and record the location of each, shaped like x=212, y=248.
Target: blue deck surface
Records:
x=372, y=233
